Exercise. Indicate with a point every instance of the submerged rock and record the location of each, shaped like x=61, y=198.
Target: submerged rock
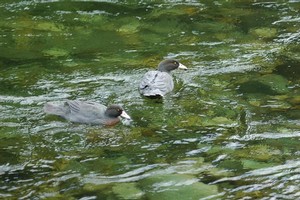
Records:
x=55, y=52
x=265, y=33
x=127, y=191
x=234, y=165
x=220, y=121
x=130, y=28
x=289, y=69
x=252, y=164
x=260, y=153
x=295, y=100
x=177, y=186
x=270, y=84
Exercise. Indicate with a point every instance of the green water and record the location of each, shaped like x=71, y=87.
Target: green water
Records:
x=229, y=130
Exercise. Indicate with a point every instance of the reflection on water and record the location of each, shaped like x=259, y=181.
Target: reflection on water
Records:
x=229, y=130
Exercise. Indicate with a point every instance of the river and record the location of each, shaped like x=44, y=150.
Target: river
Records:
x=230, y=129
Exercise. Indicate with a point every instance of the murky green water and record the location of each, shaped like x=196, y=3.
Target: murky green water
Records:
x=229, y=130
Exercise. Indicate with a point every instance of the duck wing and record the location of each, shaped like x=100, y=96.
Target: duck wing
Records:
x=85, y=112
x=156, y=83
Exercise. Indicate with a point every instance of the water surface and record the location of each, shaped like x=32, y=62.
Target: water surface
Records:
x=229, y=130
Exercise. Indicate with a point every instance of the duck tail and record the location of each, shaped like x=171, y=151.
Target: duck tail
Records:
x=148, y=92
x=52, y=109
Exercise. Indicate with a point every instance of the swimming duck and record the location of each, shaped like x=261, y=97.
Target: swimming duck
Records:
x=86, y=112
x=160, y=82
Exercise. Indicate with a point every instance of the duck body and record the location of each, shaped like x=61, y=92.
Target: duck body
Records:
x=160, y=82
x=86, y=112
x=156, y=83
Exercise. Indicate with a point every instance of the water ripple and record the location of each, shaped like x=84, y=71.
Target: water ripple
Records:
x=282, y=177
x=131, y=176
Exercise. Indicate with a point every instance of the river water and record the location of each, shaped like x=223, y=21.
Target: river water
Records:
x=229, y=130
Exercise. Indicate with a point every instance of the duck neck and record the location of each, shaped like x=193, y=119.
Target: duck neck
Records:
x=163, y=68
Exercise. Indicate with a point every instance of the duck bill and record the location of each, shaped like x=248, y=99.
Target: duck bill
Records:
x=125, y=115
x=181, y=66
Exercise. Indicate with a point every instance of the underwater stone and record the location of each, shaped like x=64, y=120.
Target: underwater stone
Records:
x=289, y=69
x=49, y=26
x=219, y=172
x=260, y=153
x=55, y=52
x=90, y=187
x=267, y=33
x=295, y=100
x=219, y=121
x=271, y=84
x=177, y=186
x=130, y=28
x=231, y=164
x=252, y=164
x=127, y=191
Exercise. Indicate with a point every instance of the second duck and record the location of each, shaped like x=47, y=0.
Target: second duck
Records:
x=160, y=82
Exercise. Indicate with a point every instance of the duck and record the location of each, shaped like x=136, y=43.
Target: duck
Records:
x=157, y=83
x=86, y=112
